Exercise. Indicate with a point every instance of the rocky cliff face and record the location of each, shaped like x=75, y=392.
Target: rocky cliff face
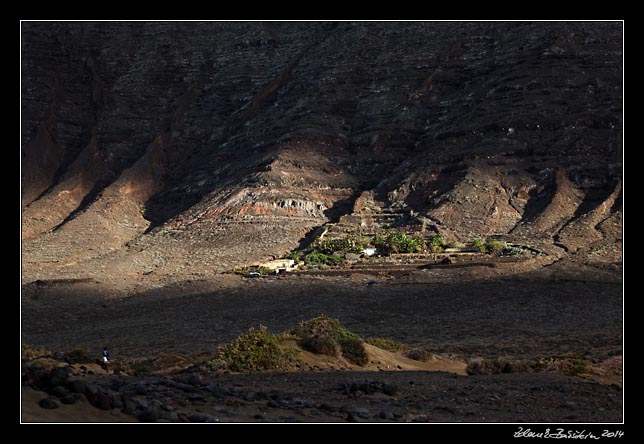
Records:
x=197, y=146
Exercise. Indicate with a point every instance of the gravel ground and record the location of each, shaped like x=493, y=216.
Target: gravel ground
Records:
x=521, y=316
x=340, y=397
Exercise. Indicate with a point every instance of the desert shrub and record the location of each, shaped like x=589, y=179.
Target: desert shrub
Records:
x=245, y=271
x=479, y=245
x=479, y=366
x=569, y=364
x=379, y=242
x=353, y=350
x=255, y=350
x=455, y=244
x=512, y=250
x=495, y=246
x=295, y=255
x=387, y=344
x=321, y=345
x=437, y=244
x=323, y=331
x=317, y=259
x=31, y=352
x=75, y=356
x=418, y=354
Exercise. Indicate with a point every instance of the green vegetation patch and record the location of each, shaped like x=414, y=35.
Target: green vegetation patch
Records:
x=387, y=344
x=295, y=255
x=246, y=271
x=325, y=335
x=455, y=244
x=396, y=242
x=437, y=244
x=479, y=245
x=318, y=259
x=256, y=350
x=349, y=244
x=495, y=246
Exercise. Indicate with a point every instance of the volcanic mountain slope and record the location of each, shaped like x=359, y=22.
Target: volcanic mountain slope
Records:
x=176, y=147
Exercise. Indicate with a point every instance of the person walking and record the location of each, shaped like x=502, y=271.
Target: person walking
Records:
x=106, y=357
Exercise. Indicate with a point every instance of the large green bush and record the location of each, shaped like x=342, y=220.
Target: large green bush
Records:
x=349, y=244
x=295, y=255
x=317, y=259
x=320, y=335
x=256, y=350
x=397, y=242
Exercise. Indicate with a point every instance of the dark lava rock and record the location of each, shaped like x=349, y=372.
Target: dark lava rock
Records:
x=362, y=412
x=218, y=390
x=91, y=390
x=351, y=418
x=184, y=387
x=261, y=396
x=70, y=398
x=368, y=388
x=102, y=401
x=151, y=414
x=389, y=389
x=59, y=391
x=273, y=404
x=195, y=380
x=327, y=408
x=117, y=402
x=58, y=376
x=200, y=417
x=77, y=386
x=384, y=414
x=129, y=407
x=48, y=403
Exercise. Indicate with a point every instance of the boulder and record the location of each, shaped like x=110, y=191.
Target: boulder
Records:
x=57, y=376
x=48, y=403
x=102, y=401
x=76, y=386
x=58, y=391
x=70, y=398
x=151, y=414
